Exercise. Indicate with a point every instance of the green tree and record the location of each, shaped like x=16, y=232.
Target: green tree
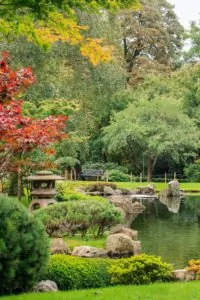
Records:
x=49, y=21
x=157, y=127
x=192, y=54
x=152, y=39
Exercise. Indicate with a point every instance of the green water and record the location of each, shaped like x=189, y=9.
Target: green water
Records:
x=173, y=236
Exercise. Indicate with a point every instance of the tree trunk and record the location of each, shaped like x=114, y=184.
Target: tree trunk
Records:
x=150, y=167
x=19, y=184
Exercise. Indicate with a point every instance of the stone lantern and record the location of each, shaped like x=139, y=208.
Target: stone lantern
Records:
x=43, y=189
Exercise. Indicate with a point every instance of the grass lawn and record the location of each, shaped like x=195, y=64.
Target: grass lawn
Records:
x=160, y=291
x=77, y=241
x=187, y=186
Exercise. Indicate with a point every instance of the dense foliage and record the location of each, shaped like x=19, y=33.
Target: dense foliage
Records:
x=78, y=273
x=192, y=172
x=194, y=266
x=78, y=217
x=140, y=269
x=117, y=176
x=148, y=70
x=24, y=247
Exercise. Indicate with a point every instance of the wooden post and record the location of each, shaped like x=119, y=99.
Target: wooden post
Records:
x=75, y=174
x=174, y=175
x=19, y=184
x=165, y=177
x=66, y=174
x=140, y=177
x=131, y=177
x=107, y=176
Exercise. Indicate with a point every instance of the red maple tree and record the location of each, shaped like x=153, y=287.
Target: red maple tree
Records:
x=19, y=134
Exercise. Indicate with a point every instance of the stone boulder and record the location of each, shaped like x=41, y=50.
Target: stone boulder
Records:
x=137, y=247
x=59, y=246
x=128, y=191
x=146, y=190
x=173, y=188
x=46, y=286
x=119, y=245
x=107, y=190
x=133, y=234
x=130, y=208
x=184, y=275
x=89, y=252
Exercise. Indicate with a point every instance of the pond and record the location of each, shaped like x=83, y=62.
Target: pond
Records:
x=170, y=230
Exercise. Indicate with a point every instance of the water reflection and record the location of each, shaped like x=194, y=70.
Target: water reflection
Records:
x=170, y=228
x=172, y=203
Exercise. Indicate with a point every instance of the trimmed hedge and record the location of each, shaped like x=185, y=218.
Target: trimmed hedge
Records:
x=71, y=272
x=24, y=247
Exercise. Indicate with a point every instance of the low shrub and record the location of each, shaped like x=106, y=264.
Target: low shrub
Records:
x=100, y=187
x=71, y=272
x=117, y=176
x=79, y=216
x=24, y=247
x=140, y=269
x=64, y=187
x=75, y=196
x=194, y=265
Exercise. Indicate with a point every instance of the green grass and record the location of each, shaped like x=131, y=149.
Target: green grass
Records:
x=187, y=186
x=160, y=291
x=77, y=241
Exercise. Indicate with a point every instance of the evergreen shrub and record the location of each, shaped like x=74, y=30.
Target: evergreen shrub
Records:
x=70, y=272
x=117, y=176
x=24, y=247
x=100, y=186
x=73, y=217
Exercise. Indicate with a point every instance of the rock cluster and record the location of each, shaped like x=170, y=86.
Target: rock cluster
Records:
x=129, y=207
x=122, y=242
x=59, y=246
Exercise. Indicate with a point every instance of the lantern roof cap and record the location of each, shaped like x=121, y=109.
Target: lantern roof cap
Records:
x=44, y=175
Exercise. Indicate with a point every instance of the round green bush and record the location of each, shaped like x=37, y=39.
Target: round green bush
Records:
x=24, y=247
x=73, y=217
x=140, y=269
x=70, y=272
x=117, y=176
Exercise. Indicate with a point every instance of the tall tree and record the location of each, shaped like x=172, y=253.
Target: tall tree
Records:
x=152, y=39
x=156, y=128
x=193, y=52
x=19, y=135
x=45, y=22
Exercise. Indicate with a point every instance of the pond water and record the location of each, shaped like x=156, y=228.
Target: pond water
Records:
x=170, y=229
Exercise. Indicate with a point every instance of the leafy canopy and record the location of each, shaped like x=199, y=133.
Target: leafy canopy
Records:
x=46, y=22
x=20, y=134
x=157, y=127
